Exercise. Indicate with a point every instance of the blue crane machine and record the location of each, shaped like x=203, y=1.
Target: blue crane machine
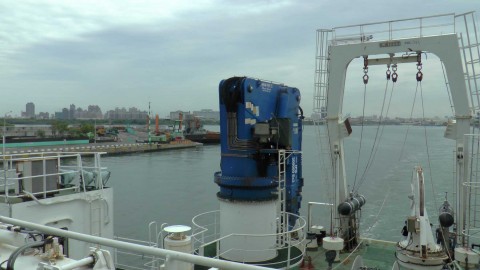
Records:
x=258, y=118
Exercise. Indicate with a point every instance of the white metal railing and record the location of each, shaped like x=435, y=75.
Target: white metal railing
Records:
x=203, y=232
x=473, y=203
x=205, y=229
x=309, y=211
x=472, y=226
x=394, y=29
x=469, y=43
x=155, y=234
x=130, y=260
x=171, y=256
x=44, y=173
x=292, y=242
x=471, y=190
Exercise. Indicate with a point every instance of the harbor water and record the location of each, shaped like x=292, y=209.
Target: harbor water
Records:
x=173, y=186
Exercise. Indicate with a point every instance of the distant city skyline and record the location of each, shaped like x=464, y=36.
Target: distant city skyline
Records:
x=95, y=112
x=30, y=110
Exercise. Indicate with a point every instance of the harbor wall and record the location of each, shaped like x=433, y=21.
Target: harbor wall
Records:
x=108, y=148
x=45, y=143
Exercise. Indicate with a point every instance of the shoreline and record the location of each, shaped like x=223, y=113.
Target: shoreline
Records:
x=111, y=149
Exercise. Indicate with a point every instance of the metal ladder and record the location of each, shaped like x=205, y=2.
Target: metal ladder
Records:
x=473, y=189
x=320, y=107
x=321, y=73
x=282, y=222
x=282, y=214
x=470, y=49
x=321, y=86
x=468, y=40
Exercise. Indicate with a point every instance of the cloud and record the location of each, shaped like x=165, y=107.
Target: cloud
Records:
x=173, y=53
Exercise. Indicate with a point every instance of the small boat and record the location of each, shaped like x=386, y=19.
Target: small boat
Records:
x=206, y=137
x=194, y=131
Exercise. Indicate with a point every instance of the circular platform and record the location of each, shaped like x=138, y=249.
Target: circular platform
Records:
x=279, y=262
x=177, y=229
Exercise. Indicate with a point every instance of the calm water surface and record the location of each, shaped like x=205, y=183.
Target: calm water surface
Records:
x=174, y=186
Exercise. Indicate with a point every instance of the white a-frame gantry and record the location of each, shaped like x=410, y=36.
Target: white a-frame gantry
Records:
x=333, y=58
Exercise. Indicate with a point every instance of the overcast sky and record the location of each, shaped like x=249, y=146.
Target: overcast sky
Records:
x=121, y=53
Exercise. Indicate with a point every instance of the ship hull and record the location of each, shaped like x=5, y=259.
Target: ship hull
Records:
x=207, y=138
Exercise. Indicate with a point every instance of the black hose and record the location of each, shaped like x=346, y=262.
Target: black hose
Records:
x=2, y=264
x=18, y=251
x=21, y=230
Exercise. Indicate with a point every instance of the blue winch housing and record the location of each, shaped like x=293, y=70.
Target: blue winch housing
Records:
x=257, y=118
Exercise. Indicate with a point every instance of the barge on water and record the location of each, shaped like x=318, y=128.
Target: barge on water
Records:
x=195, y=131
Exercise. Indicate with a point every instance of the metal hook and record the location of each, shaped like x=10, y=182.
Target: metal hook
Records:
x=419, y=76
x=394, y=77
x=365, y=79
x=365, y=61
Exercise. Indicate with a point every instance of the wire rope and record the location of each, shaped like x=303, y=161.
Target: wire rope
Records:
x=386, y=114
x=426, y=140
x=361, y=135
x=447, y=87
x=429, y=163
x=408, y=127
x=374, y=149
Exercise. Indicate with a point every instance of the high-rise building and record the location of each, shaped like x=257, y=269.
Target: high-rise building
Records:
x=43, y=115
x=30, y=110
x=93, y=112
x=208, y=114
x=176, y=115
x=122, y=113
x=71, y=114
x=65, y=113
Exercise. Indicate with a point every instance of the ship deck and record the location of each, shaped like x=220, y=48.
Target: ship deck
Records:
x=376, y=254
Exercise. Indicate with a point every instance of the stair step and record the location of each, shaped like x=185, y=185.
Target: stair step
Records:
x=473, y=61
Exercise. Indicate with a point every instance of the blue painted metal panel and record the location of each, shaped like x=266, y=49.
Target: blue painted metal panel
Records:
x=256, y=119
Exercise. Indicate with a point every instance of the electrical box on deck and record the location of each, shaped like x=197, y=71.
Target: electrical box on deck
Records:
x=36, y=176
